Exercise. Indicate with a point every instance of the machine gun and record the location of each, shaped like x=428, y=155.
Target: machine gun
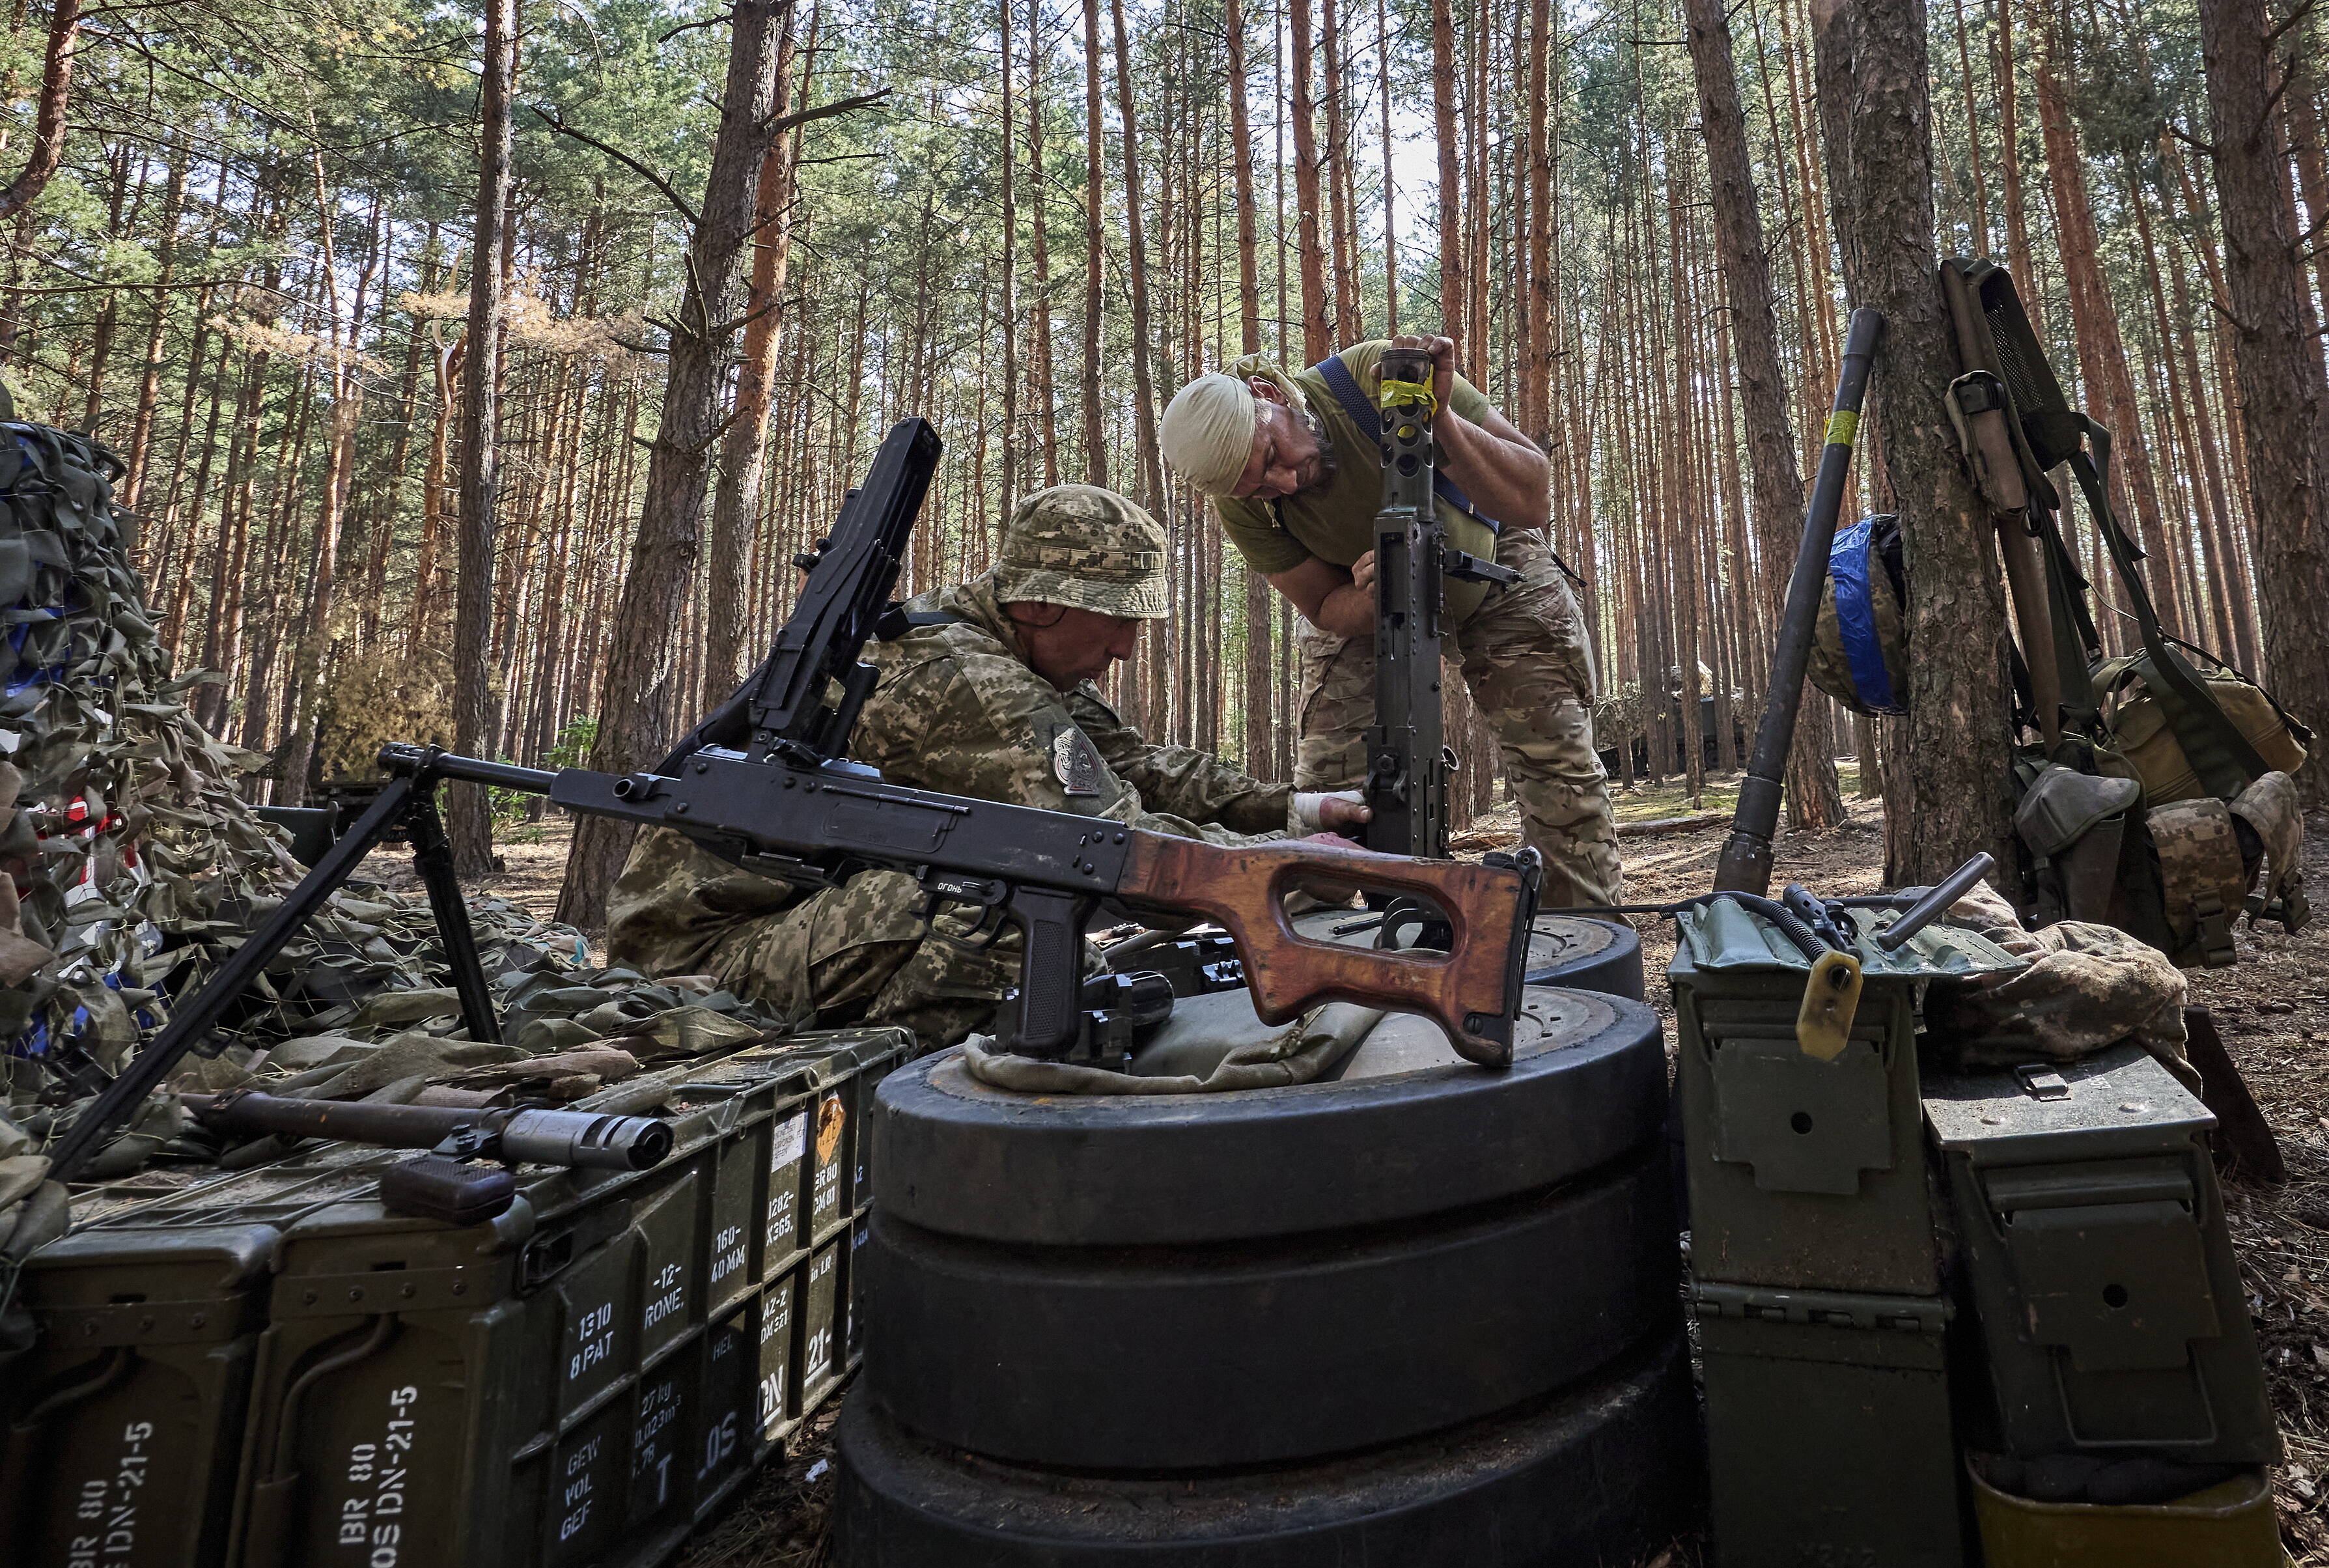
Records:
x=442, y=1186
x=762, y=784
x=1408, y=762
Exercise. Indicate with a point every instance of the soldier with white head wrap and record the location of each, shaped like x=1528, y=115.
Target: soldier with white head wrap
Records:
x=1296, y=480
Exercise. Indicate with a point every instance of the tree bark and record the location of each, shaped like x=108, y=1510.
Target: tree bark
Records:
x=636, y=721
x=1094, y=254
x=1451, y=174
x=468, y=817
x=744, y=450
x=1242, y=173
x=2283, y=402
x=1317, y=327
x=1814, y=800
x=49, y=115
x=1144, y=381
x=1870, y=63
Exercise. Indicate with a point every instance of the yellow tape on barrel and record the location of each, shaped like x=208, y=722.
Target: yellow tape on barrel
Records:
x=1843, y=428
x=1398, y=393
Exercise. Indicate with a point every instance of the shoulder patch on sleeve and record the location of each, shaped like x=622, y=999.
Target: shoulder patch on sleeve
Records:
x=1076, y=762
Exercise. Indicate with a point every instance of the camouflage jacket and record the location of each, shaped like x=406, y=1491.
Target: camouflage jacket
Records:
x=957, y=710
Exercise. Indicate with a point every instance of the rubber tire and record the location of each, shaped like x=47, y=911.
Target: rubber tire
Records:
x=1610, y=963
x=1191, y=1357
x=1135, y=1170
x=1613, y=967
x=1603, y=1474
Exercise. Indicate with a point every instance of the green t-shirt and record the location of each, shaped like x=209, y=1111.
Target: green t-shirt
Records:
x=1335, y=520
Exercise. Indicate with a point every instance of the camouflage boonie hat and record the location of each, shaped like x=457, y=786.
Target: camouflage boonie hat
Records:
x=1086, y=547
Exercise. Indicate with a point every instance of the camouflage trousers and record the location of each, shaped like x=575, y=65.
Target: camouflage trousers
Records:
x=861, y=953
x=1530, y=669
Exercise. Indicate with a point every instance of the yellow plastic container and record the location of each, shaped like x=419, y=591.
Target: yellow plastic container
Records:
x=2228, y=1525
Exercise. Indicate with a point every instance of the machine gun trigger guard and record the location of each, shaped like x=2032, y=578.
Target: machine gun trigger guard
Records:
x=991, y=897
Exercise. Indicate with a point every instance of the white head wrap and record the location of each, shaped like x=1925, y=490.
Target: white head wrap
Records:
x=1208, y=428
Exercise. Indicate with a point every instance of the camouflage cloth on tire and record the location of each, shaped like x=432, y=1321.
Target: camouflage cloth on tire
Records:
x=957, y=710
x=1526, y=661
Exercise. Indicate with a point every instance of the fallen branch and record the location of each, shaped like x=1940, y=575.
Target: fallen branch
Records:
x=1658, y=825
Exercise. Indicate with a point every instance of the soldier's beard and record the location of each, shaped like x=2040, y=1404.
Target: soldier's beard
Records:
x=1319, y=467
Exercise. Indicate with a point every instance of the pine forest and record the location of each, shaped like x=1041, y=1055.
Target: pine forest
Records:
x=479, y=370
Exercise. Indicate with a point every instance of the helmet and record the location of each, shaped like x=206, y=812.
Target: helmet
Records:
x=1083, y=546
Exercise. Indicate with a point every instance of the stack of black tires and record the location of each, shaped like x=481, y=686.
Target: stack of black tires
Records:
x=1425, y=1318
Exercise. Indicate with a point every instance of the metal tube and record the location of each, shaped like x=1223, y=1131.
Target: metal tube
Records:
x=406, y=760
x=1745, y=865
x=1935, y=904
x=584, y=1140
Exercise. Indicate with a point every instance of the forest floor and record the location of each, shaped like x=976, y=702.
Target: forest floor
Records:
x=2269, y=1009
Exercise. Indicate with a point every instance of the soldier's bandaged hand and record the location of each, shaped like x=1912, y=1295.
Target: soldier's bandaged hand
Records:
x=1308, y=813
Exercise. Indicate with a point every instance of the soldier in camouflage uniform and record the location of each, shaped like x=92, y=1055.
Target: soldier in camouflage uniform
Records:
x=993, y=699
x=1297, y=483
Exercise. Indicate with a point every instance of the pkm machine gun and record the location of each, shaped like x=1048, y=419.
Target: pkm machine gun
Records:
x=763, y=784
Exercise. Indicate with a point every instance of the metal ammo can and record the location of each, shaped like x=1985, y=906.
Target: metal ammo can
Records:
x=579, y=1381
x=122, y=1423
x=2099, y=1265
x=1814, y=1270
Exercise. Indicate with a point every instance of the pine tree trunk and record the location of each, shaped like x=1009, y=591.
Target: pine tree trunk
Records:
x=1814, y=800
x=1317, y=327
x=641, y=683
x=468, y=821
x=1094, y=254
x=2284, y=403
x=744, y=450
x=2009, y=163
x=1870, y=64
x=2102, y=350
x=1039, y=385
x=1451, y=174
x=1242, y=174
x=1144, y=382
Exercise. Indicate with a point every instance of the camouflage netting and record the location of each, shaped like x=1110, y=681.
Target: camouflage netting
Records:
x=135, y=865
x=375, y=698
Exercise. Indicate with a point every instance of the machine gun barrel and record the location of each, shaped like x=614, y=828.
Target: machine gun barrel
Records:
x=585, y=1140
x=1745, y=862
x=1408, y=762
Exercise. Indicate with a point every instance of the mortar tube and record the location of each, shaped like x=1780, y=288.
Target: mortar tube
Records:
x=1745, y=864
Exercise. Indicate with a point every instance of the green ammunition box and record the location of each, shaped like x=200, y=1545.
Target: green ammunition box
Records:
x=2099, y=1265
x=1802, y=1173
x=579, y=1382
x=118, y=1430
x=1828, y=1429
